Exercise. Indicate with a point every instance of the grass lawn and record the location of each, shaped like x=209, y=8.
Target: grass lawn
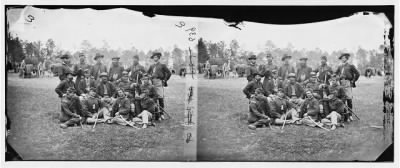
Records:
x=34, y=107
x=223, y=134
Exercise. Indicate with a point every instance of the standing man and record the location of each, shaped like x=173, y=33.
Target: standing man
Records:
x=266, y=70
x=273, y=84
x=115, y=71
x=79, y=68
x=99, y=67
x=348, y=75
x=136, y=70
x=286, y=68
x=105, y=88
x=324, y=71
x=66, y=67
x=303, y=73
x=252, y=68
x=160, y=74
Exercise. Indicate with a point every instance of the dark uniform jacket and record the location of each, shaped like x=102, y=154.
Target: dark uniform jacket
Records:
x=64, y=69
x=63, y=86
x=161, y=72
x=285, y=70
x=111, y=91
x=272, y=85
x=79, y=71
x=266, y=70
x=121, y=106
x=85, y=84
x=69, y=109
x=251, y=88
x=124, y=85
x=90, y=106
x=303, y=73
x=250, y=70
x=323, y=71
x=298, y=90
x=279, y=106
x=314, y=86
x=136, y=73
x=341, y=94
x=348, y=72
x=259, y=108
x=115, y=70
x=97, y=69
x=311, y=107
x=337, y=105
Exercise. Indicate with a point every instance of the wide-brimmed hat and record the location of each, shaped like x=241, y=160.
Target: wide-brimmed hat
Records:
x=347, y=55
x=269, y=55
x=136, y=57
x=98, y=55
x=156, y=54
x=274, y=71
x=125, y=73
x=252, y=57
x=103, y=74
x=64, y=56
x=286, y=57
x=324, y=57
x=115, y=58
x=291, y=75
x=81, y=54
x=303, y=58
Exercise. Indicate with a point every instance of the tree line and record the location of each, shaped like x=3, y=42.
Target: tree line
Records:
x=220, y=52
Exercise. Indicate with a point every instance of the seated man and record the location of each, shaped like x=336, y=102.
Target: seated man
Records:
x=282, y=109
x=310, y=109
x=86, y=83
x=273, y=84
x=336, y=109
x=105, y=88
x=93, y=108
x=313, y=84
x=293, y=90
x=148, y=91
x=124, y=82
x=259, y=109
x=148, y=104
x=70, y=113
x=120, y=109
x=253, y=85
x=61, y=89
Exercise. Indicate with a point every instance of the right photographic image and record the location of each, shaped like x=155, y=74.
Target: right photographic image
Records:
x=308, y=91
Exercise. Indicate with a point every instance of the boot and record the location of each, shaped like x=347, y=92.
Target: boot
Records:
x=144, y=126
x=252, y=127
x=63, y=126
x=333, y=127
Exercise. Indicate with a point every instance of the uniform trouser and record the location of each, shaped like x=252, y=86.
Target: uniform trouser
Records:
x=144, y=117
x=160, y=91
x=348, y=91
x=120, y=121
x=332, y=118
x=72, y=122
x=260, y=122
x=103, y=113
x=290, y=114
x=309, y=121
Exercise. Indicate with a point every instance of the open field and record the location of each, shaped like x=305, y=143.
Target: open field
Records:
x=34, y=107
x=223, y=134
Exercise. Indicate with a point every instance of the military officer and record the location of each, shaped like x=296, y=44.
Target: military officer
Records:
x=348, y=75
x=79, y=68
x=259, y=110
x=266, y=70
x=304, y=71
x=335, y=111
x=273, y=84
x=136, y=70
x=252, y=68
x=105, y=88
x=121, y=109
x=86, y=83
x=92, y=108
x=99, y=67
x=310, y=109
x=66, y=67
x=71, y=114
x=115, y=72
x=293, y=89
x=62, y=87
x=286, y=68
x=251, y=87
x=160, y=74
x=324, y=71
x=282, y=109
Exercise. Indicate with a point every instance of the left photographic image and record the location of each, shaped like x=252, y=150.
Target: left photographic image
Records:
x=86, y=84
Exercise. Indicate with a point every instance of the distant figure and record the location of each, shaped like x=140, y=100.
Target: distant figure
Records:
x=252, y=68
x=286, y=68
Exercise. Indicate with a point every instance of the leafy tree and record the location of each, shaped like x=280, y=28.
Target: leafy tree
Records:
x=202, y=50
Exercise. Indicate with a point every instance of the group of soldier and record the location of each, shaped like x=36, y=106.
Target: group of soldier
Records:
x=320, y=97
x=132, y=96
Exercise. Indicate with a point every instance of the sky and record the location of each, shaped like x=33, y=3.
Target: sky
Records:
x=348, y=33
x=122, y=28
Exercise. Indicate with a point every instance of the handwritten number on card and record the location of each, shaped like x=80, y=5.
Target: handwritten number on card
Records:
x=30, y=18
x=192, y=31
